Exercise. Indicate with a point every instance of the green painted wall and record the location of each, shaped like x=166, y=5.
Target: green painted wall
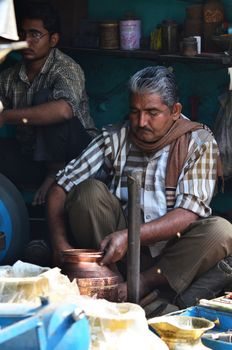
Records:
x=106, y=77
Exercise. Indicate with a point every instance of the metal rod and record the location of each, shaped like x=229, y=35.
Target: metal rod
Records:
x=133, y=260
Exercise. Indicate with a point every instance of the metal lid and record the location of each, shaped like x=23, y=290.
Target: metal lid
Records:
x=109, y=23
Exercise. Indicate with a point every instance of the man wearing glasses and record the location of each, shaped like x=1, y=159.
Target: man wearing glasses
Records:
x=44, y=96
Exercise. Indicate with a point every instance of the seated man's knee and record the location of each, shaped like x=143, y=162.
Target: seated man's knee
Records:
x=218, y=233
x=224, y=229
x=86, y=194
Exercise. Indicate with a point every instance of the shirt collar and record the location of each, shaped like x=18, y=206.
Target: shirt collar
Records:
x=49, y=62
x=46, y=67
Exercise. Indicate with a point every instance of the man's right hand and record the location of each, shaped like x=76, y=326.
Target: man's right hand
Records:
x=1, y=106
x=114, y=246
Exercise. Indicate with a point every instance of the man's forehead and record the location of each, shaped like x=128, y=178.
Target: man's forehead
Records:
x=31, y=24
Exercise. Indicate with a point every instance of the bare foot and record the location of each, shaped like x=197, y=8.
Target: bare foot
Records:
x=144, y=289
x=41, y=193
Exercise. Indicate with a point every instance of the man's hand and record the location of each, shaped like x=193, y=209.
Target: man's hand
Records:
x=1, y=106
x=40, y=195
x=114, y=246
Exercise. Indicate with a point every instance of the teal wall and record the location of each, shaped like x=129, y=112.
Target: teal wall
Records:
x=106, y=77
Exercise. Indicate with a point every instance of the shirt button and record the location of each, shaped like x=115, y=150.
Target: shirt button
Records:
x=148, y=217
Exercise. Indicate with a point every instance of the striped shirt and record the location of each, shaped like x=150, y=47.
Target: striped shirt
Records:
x=111, y=156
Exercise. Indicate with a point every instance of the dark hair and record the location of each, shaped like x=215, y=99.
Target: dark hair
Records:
x=42, y=10
x=156, y=80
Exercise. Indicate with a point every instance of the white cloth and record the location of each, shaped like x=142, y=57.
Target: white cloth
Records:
x=8, y=28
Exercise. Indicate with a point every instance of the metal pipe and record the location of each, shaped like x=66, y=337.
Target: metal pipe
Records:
x=133, y=258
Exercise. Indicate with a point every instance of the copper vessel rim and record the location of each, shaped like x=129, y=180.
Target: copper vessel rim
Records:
x=98, y=278
x=104, y=281
x=82, y=253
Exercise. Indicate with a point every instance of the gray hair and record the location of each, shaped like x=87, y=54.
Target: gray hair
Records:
x=156, y=80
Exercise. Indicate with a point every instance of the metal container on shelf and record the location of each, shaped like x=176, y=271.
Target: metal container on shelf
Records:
x=193, y=24
x=189, y=46
x=194, y=11
x=213, y=14
x=130, y=34
x=109, y=35
x=169, y=30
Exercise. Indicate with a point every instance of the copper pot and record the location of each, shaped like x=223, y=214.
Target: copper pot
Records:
x=92, y=278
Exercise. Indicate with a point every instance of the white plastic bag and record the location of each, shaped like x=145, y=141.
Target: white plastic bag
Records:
x=26, y=283
x=118, y=326
x=8, y=28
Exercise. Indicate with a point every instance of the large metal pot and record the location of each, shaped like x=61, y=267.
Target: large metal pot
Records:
x=92, y=278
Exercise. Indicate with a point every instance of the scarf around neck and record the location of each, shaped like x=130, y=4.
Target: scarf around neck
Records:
x=178, y=138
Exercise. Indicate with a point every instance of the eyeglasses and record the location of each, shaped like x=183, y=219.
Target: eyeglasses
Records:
x=32, y=34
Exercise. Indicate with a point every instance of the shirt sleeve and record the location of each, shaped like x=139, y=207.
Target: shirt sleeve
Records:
x=5, y=82
x=87, y=165
x=198, y=178
x=69, y=84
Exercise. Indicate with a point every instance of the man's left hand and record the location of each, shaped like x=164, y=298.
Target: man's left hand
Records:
x=1, y=106
x=114, y=246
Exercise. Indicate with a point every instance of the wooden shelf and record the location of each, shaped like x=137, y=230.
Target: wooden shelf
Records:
x=212, y=58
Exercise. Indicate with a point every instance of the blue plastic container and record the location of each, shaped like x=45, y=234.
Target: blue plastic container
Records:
x=49, y=327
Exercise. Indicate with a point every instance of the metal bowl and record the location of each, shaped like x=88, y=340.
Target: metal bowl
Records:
x=180, y=327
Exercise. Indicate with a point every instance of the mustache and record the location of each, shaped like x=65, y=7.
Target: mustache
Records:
x=143, y=128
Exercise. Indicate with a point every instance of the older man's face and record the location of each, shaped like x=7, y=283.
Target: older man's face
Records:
x=150, y=118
